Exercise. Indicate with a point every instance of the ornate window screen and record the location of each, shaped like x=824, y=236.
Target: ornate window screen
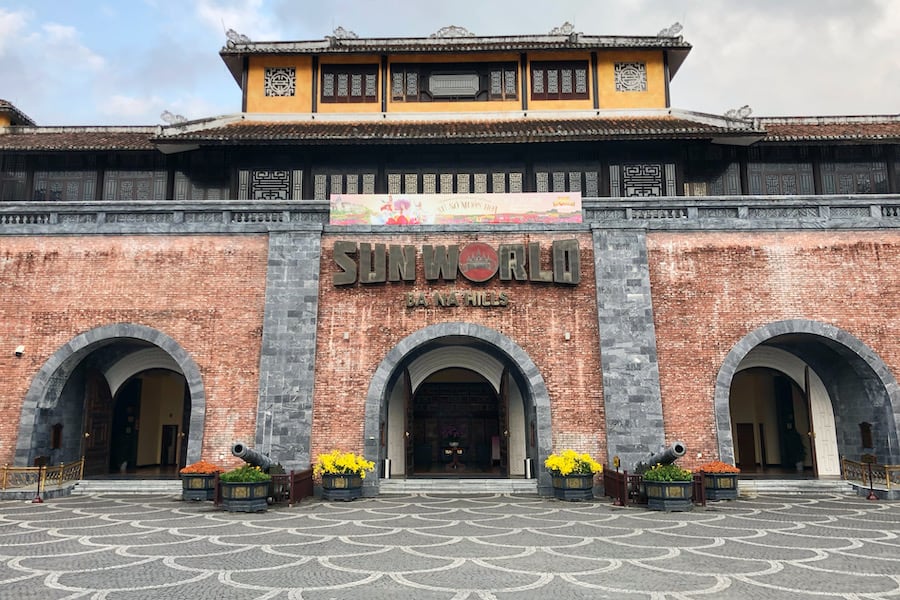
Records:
x=280, y=81
x=631, y=77
x=272, y=184
x=642, y=180
x=854, y=178
x=12, y=177
x=566, y=80
x=780, y=178
x=349, y=83
x=454, y=82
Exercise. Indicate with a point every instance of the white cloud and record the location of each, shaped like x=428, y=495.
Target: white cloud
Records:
x=129, y=107
x=248, y=17
x=11, y=23
x=60, y=43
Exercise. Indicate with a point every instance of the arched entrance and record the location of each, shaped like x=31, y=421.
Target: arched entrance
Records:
x=122, y=396
x=462, y=376
x=809, y=378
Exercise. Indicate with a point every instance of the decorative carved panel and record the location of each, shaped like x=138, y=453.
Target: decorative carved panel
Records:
x=630, y=77
x=280, y=81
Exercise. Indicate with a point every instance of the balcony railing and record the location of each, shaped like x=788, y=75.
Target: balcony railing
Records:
x=721, y=213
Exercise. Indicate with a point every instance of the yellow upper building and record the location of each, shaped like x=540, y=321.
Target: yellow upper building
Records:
x=453, y=71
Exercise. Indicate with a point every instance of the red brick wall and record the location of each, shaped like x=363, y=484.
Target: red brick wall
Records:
x=710, y=290
x=206, y=292
x=376, y=318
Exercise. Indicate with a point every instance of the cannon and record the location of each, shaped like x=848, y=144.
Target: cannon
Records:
x=257, y=459
x=666, y=456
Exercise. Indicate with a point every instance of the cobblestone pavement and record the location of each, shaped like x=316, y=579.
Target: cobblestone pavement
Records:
x=434, y=547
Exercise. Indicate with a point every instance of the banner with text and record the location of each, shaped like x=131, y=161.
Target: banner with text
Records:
x=449, y=209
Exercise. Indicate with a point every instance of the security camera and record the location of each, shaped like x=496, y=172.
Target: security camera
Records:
x=20, y=350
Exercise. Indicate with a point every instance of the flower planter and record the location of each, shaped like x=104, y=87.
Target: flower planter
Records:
x=198, y=486
x=341, y=487
x=669, y=495
x=239, y=496
x=721, y=486
x=573, y=487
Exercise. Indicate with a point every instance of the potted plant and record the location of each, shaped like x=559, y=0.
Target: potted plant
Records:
x=245, y=489
x=668, y=487
x=342, y=474
x=198, y=480
x=719, y=480
x=452, y=435
x=573, y=475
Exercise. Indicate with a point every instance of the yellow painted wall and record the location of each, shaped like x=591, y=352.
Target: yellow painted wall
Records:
x=162, y=399
x=258, y=102
x=5, y=120
x=654, y=97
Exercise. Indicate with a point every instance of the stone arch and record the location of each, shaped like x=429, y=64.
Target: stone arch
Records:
x=865, y=362
x=528, y=374
x=48, y=383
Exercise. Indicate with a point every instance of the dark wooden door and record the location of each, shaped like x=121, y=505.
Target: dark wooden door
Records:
x=168, y=445
x=746, y=447
x=408, y=433
x=503, y=422
x=97, y=424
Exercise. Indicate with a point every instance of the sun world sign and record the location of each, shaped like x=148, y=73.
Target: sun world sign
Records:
x=478, y=262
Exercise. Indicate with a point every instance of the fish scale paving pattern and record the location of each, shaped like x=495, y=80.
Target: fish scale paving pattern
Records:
x=480, y=547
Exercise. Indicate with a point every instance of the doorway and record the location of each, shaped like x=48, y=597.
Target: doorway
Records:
x=457, y=423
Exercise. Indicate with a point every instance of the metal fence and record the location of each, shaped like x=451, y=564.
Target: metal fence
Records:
x=871, y=474
x=46, y=476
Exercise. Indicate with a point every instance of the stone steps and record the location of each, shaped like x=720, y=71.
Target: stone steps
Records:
x=450, y=486
x=458, y=486
x=164, y=487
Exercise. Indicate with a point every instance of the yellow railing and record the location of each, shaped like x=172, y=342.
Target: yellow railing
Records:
x=884, y=476
x=53, y=475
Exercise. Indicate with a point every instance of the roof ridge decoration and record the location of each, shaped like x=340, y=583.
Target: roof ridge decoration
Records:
x=452, y=31
x=172, y=119
x=743, y=112
x=671, y=31
x=344, y=34
x=564, y=29
x=235, y=38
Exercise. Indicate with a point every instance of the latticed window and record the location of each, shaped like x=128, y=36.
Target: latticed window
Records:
x=630, y=77
x=457, y=82
x=854, y=178
x=280, y=81
x=559, y=80
x=349, y=83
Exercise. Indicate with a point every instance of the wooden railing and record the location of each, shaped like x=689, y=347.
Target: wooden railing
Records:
x=871, y=474
x=49, y=476
x=625, y=488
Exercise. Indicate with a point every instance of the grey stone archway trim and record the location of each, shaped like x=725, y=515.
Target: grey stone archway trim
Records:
x=535, y=392
x=50, y=379
x=801, y=326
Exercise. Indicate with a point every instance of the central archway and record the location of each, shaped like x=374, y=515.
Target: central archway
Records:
x=495, y=358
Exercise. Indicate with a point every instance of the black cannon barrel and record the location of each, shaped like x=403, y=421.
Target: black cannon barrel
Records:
x=666, y=456
x=251, y=456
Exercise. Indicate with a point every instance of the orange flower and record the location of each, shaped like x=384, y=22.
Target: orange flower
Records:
x=201, y=468
x=717, y=466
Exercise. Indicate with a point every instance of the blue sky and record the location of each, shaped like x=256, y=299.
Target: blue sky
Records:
x=123, y=62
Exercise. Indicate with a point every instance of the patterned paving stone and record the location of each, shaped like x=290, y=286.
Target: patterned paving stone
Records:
x=449, y=548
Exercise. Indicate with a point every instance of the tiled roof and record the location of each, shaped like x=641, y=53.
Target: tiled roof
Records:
x=18, y=117
x=836, y=129
x=677, y=48
x=77, y=138
x=492, y=131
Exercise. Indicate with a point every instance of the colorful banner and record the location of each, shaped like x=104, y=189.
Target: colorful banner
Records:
x=451, y=209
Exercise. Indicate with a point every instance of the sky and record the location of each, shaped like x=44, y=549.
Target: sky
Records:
x=124, y=62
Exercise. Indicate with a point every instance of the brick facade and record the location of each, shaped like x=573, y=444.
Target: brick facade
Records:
x=206, y=292
x=376, y=318
x=712, y=289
